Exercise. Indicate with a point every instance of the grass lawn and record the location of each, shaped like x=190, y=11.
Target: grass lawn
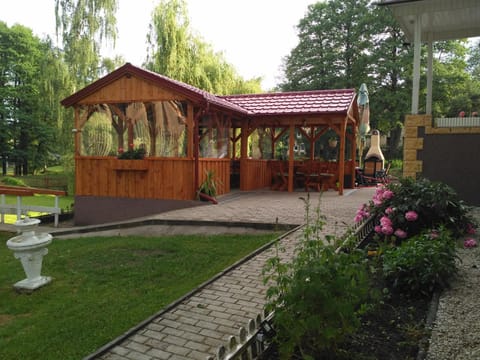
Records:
x=102, y=286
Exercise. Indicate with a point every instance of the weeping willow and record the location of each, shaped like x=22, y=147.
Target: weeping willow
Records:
x=97, y=135
x=82, y=26
x=136, y=114
x=170, y=129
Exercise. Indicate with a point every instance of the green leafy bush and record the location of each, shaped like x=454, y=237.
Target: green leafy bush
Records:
x=421, y=264
x=318, y=297
x=7, y=180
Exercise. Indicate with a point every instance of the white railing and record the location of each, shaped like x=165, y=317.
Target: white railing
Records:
x=250, y=344
x=19, y=208
x=458, y=122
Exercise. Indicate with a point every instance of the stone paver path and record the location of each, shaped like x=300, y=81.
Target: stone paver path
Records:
x=196, y=327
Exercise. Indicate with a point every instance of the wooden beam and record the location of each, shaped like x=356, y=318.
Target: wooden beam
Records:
x=341, y=160
x=243, y=156
x=190, y=130
x=291, y=157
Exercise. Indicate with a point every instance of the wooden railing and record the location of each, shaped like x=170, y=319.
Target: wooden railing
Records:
x=20, y=208
x=144, y=179
x=149, y=178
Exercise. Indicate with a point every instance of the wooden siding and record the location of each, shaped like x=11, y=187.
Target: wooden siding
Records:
x=150, y=178
x=221, y=169
x=255, y=174
x=130, y=89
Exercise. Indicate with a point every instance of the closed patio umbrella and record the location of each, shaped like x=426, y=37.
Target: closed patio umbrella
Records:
x=364, y=112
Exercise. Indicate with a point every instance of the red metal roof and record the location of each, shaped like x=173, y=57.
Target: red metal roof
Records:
x=287, y=103
x=300, y=102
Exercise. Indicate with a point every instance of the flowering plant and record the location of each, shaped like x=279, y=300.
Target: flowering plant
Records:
x=470, y=243
x=424, y=263
x=402, y=210
x=132, y=152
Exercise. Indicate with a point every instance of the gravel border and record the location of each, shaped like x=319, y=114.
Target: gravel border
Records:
x=457, y=323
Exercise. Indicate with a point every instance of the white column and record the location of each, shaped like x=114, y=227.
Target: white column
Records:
x=429, y=75
x=416, y=64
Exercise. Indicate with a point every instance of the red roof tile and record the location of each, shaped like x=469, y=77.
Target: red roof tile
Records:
x=300, y=102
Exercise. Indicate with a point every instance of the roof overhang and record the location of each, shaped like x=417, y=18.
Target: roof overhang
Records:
x=440, y=19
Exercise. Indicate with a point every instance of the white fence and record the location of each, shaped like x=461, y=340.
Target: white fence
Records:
x=20, y=209
x=250, y=344
x=458, y=122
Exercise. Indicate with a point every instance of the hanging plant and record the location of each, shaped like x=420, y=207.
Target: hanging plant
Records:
x=332, y=141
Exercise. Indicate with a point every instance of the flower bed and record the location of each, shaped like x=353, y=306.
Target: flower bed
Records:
x=357, y=303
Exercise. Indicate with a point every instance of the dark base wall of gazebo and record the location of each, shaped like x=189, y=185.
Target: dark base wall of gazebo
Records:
x=93, y=210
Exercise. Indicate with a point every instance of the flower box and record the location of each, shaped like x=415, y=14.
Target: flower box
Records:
x=130, y=165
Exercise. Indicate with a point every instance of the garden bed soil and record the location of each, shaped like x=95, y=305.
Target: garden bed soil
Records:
x=394, y=329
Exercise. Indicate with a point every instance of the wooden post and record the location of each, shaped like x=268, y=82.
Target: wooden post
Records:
x=291, y=157
x=341, y=160
x=354, y=153
x=273, y=141
x=190, y=131
x=312, y=140
x=77, y=130
x=243, y=156
x=196, y=152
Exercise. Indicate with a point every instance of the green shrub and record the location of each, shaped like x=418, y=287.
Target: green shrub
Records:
x=7, y=180
x=421, y=264
x=318, y=297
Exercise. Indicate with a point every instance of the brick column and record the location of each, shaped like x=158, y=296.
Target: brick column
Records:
x=413, y=142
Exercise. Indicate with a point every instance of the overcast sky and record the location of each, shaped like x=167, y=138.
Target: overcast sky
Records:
x=253, y=34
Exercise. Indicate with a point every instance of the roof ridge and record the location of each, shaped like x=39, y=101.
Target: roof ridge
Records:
x=289, y=93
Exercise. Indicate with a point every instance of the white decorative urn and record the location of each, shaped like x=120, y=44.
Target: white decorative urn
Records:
x=30, y=248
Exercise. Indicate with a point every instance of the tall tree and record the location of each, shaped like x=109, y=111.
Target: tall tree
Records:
x=175, y=52
x=474, y=60
x=82, y=26
x=389, y=73
x=331, y=53
x=26, y=121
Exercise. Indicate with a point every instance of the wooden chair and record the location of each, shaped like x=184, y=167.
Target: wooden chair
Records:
x=279, y=176
x=300, y=174
x=313, y=179
x=331, y=176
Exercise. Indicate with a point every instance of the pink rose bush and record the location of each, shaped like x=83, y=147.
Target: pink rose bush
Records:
x=411, y=216
x=470, y=243
x=410, y=207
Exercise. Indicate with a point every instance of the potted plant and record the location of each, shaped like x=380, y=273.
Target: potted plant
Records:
x=207, y=190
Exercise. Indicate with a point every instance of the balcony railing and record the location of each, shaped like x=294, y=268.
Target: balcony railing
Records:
x=458, y=122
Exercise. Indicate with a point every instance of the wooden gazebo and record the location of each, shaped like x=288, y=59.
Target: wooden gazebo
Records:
x=184, y=131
